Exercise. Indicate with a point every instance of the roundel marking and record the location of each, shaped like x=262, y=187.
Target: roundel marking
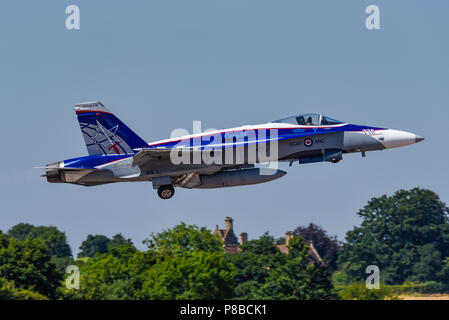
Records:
x=308, y=142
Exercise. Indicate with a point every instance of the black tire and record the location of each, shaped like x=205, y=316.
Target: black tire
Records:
x=166, y=191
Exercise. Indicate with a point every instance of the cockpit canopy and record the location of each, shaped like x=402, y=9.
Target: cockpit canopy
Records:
x=309, y=119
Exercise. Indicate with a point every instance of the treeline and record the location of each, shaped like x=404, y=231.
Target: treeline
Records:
x=406, y=235
x=185, y=262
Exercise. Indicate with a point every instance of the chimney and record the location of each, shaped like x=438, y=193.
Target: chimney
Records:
x=228, y=223
x=288, y=237
x=243, y=237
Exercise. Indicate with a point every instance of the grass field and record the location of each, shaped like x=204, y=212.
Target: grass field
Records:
x=425, y=297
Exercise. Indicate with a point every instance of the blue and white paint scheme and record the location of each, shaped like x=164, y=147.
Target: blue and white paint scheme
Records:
x=212, y=159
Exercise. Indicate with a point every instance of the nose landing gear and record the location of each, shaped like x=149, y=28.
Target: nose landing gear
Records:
x=166, y=191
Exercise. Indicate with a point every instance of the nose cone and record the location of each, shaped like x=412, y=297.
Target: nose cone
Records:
x=418, y=138
x=396, y=138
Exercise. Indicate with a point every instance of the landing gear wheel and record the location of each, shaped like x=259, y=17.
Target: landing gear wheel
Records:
x=166, y=191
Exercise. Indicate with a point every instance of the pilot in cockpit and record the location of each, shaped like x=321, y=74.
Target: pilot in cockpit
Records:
x=300, y=120
x=309, y=121
x=324, y=121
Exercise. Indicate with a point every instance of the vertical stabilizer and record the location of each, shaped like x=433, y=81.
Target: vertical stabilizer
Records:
x=104, y=133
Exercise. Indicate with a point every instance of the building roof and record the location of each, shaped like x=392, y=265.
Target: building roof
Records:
x=231, y=243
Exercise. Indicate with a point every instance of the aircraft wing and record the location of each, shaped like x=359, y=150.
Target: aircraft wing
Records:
x=146, y=156
x=66, y=168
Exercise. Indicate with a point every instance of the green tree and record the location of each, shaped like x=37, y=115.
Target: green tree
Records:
x=405, y=235
x=27, y=264
x=444, y=273
x=185, y=262
x=191, y=264
x=263, y=272
x=118, y=290
x=93, y=245
x=192, y=275
x=112, y=275
x=359, y=291
x=21, y=231
x=184, y=238
x=53, y=238
x=118, y=240
x=99, y=244
x=253, y=263
x=62, y=263
x=428, y=264
x=8, y=291
x=297, y=279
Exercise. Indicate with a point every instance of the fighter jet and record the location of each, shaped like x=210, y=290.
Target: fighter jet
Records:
x=213, y=159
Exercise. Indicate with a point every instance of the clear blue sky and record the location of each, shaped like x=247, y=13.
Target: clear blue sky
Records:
x=161, y=64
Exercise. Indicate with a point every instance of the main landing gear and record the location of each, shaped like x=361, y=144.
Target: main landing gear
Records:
x=166, y=191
